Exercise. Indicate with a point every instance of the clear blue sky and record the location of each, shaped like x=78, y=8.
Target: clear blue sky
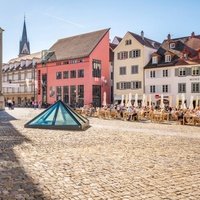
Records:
x=49, y=20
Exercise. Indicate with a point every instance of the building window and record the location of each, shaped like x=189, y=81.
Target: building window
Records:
x=73, y=95
x=128, y=42
x=73, y=74
x=111, y=76
x=182, y=71
x=155, y=60
x=58, y=75
x=167, y=58
x=195, y=71
x=96, y=68
x=65, y=74
x=122, y=55
x=80, y=73
x=165, y=73
x=58, y=93
x=122, y=70
x=19, y=76
x=172, y=45
x=152, y=88
x=195, y=87
x=80, y=97
x=165, y=88
x=182, y=88
x=134, y=53
x=136, y=85
x=134, y=69
x=96, y=95
x=153, y=74
x=117, y=85
x=66, y=94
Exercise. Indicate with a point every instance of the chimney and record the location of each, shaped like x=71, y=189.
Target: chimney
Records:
x=142, y=34
x=169, y=36
x=192, y=34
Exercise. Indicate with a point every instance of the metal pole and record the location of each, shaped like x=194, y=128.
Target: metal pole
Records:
x=2, y=106
x=1, y=57
x=34, y=81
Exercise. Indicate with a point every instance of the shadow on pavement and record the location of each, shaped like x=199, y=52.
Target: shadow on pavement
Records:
x=15, y=183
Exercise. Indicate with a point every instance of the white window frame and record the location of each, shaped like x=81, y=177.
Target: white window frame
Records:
x=168, y=58
x=152, y=88
x=155, y=60
x=180, y=72
x=172, y=45
x=152, y=74
x=195, y=71
x=165, y=73
x=165, y=88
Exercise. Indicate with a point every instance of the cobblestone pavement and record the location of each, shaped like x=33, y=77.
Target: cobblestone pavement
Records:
x=111, y=160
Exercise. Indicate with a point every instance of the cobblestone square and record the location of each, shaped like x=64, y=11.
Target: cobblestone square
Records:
x=112, y=159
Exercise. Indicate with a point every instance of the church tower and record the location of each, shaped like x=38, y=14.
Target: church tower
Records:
x=24, y=47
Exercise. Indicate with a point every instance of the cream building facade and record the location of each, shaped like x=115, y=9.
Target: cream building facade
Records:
x=130, y=56
x=19, y=79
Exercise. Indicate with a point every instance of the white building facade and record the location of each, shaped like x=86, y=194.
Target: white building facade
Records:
x=174, y=72
x=173, y=83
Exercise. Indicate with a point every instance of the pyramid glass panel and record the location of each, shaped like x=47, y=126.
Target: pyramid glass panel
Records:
x=59, y=116
x=64, y=117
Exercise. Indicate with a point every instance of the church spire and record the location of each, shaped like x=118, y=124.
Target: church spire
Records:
x=24, y=46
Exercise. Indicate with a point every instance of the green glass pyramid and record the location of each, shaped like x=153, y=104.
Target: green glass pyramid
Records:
x=59, y=116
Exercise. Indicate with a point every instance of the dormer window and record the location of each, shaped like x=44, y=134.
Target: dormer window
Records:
x=128, y=42
x=172, y=45
x=167, y=58
x=185, y=55
x=154, y=60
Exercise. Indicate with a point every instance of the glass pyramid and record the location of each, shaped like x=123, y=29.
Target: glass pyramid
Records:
x=59, y=116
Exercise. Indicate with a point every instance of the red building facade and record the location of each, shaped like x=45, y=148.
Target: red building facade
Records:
x=76, y=70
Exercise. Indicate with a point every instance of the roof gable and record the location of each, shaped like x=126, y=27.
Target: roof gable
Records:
x=77, y=46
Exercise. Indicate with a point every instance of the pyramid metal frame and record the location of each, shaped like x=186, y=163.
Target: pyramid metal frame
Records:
x=82, y=123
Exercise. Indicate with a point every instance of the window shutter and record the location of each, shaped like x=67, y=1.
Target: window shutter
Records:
x=130, y=54
x=176, y=72
x=169, y=88
x=118, y=86
x=133, y=85
x=118, y=56
x=139, y=84
x=188, y=71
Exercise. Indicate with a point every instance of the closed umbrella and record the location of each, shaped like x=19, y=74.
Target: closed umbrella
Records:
x=122, y=101
x=136, y=101
x=162, y=106
x=170, y=101
x=191, y=107
x=129, y=100
x=177, y=101
x=143, y=100
x=126, y=100
x=197, y=102
x=104, y=99
x=150, y=100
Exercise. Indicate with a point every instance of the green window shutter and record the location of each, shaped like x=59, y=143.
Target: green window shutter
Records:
x=176, y=72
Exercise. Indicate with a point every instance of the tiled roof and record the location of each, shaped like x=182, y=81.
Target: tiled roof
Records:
x=37, y=55
x=185, y=45
x=146, y=41
x=118, y=38
x=77, y=46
